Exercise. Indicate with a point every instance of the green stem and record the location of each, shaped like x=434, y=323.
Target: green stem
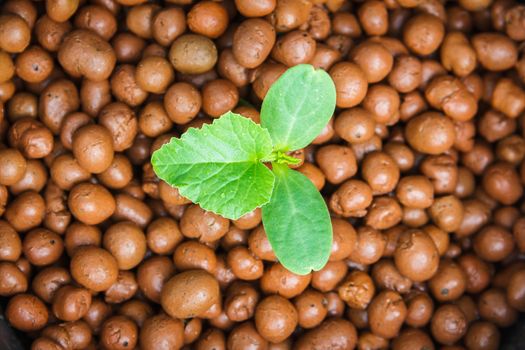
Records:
x=281, y=157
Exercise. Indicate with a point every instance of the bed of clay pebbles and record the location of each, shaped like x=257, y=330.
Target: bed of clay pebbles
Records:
x=422, y=167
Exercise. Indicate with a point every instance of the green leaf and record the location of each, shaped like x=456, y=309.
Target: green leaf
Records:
x=219, y=166
x=298, y=106
x=297, y=222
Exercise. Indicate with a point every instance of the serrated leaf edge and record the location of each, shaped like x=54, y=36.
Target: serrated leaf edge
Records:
x=191, y=130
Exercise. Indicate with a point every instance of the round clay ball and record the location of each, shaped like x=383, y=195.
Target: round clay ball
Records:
x=84, y=53
x=182, y=102
x=91, y=204
x=121, y=122
x=46, y=282
x=119, y=333
x=278, y=280
x=162, y=332
x=416, y=255
x=253, y=41
x=124, y=86
x=126, y=242
x=483, y=335
x=294, y=48
x=245, y=336
x=333, y=331
x=204, y=225
x=415, y=192
x=516, y=291
x=94, y=268
x=12, y=166
x=50, y=33
x=501, y=182
x=154, y=74
x=26, y=313
x=448, y=324
x=218, y=97
x=152, y=274
x=423, y=44
x=275, y=318
x=208, y=18
x=34, y=65
x=374, y=59
x=431, y=133
x=71, y=303
x=386, y=314
x=8, y=67
x=193, y=54
x=13, y=280
x=495, y=51
x=357, y=290
x=10, y=243
x=97, y=18
x=168, y=24
x=93, y=148
x=449, y=282
x=61, y=10
x=42, y=247
x=15, y=34
x=351, y=84
x=26, y=211
x=189, y=294
x=493, y=243
x=119, y=173
x=163, y=235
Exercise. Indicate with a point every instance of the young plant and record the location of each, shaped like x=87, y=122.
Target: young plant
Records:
x=222, y=167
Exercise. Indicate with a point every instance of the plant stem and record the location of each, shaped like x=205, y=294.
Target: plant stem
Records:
x=281, y=157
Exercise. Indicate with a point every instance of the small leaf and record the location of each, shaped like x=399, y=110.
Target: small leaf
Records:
x=219, y=166
x=297, y=222
x=298, y=106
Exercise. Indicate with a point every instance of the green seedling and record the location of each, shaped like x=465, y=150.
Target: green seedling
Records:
x=222, y=167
